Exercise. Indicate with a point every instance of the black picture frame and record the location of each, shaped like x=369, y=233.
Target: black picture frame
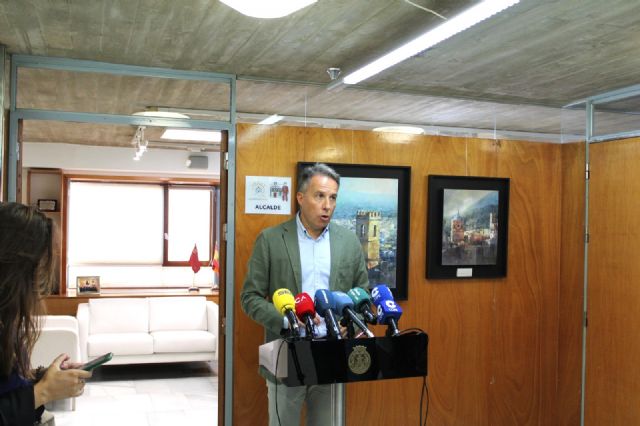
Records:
x=394, y=253
x=470, y=242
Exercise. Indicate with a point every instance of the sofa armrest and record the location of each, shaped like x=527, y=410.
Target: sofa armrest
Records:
x=60, y=321
x=83, y=329
x=52, y=342
x=212, y=322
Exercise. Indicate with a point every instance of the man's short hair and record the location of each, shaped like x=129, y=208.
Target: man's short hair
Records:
x=314, y=170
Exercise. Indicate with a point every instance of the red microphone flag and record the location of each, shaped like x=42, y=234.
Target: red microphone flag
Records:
x=193, y=260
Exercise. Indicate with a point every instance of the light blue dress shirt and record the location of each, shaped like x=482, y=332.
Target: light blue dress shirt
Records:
x=315, y=262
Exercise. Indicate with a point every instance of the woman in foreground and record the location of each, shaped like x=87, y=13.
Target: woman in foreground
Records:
x=26, y=272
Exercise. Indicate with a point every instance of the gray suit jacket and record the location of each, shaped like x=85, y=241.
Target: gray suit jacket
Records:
x=275, y=263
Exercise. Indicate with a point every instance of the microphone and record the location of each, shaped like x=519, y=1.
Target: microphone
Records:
x=306, y=312
x=325, y=304
x=362, y=303
x=344, y=305
x=285, y=304
x=388, y=312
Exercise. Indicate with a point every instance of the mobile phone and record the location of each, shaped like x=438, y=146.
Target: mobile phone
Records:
x=97, y=362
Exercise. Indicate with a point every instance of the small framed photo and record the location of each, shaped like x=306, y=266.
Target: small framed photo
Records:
x=46, y=205
x=88, y=285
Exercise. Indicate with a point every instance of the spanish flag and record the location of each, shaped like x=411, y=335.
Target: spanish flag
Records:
x=216, y=260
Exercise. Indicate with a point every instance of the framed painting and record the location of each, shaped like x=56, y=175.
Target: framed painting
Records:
x=374, y=202
x=467, y=227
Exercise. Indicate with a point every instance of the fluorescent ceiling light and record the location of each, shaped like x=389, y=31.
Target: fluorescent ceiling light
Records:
x=192, y=135
x=272, y=119
x=400, y=129
x=267, y=8
x=447, y=29
x=161, y=114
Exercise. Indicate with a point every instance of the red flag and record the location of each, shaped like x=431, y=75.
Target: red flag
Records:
x=193, y=260
x=215, y=262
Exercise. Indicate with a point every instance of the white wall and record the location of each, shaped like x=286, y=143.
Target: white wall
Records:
x=116, y=160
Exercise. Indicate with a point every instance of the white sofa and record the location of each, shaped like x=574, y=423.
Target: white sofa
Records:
x=149, y=330
x=58, y=334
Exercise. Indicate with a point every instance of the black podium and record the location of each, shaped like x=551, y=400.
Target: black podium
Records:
x=312, y=362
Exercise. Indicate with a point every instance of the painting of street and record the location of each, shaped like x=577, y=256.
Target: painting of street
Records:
x=469, y=227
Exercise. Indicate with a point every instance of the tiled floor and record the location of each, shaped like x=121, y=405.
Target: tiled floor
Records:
x=146, y=395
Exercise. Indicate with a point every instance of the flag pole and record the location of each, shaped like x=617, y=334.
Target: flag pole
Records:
x=195, y=267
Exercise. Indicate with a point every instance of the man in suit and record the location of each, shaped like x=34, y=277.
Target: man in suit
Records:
x=304, y=254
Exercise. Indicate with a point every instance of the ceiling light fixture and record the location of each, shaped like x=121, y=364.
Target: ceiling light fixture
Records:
x=192, y=135
x=447, y=29
x=272, y=119
x=267, y=9
x=400, y=129
x=161, y=114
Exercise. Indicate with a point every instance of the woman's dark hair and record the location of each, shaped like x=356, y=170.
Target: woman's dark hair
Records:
x=26, y=274
x=316, y=169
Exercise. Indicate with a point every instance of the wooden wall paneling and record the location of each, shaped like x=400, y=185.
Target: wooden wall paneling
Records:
x=328, y=145
x=571, y=284
x=363, y=403
x=493, y=343
x=262, y=151
x=524, y=353
x=612, y=394
x=461, y=316
x=452, y=312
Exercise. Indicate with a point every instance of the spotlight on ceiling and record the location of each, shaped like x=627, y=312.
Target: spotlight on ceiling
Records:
x=140, y=143
x=400, y=129
x=267, y=9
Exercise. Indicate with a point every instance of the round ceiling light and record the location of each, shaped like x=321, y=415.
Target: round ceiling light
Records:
x=411, y=130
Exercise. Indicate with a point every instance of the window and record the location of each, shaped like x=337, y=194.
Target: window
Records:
x=139, y=234
x=189, y=223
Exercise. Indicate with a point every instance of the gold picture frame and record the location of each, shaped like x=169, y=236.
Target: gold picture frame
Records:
x=88, y=284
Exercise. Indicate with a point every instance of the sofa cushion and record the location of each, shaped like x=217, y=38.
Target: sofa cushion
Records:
x=119, y=315
x=177, y=313
x=120, y=344
x=183, y=341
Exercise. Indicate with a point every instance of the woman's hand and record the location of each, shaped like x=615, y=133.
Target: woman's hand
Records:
x=59, y=383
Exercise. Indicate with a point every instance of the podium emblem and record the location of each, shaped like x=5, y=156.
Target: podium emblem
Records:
x=359, y=360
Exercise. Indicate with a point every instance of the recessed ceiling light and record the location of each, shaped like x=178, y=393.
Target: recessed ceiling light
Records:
x=267, y=8
x=447, y=29
x=192, y=135
x=400, y=129
x=272, y=119
x=161, y=114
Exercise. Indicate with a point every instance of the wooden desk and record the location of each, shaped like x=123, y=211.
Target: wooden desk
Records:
x=68, y=304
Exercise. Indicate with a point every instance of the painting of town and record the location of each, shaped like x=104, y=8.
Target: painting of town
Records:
x=369, y=207
x=469, y=227
x=373, y=202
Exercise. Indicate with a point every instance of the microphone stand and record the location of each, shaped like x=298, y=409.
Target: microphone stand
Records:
x=351, y=331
